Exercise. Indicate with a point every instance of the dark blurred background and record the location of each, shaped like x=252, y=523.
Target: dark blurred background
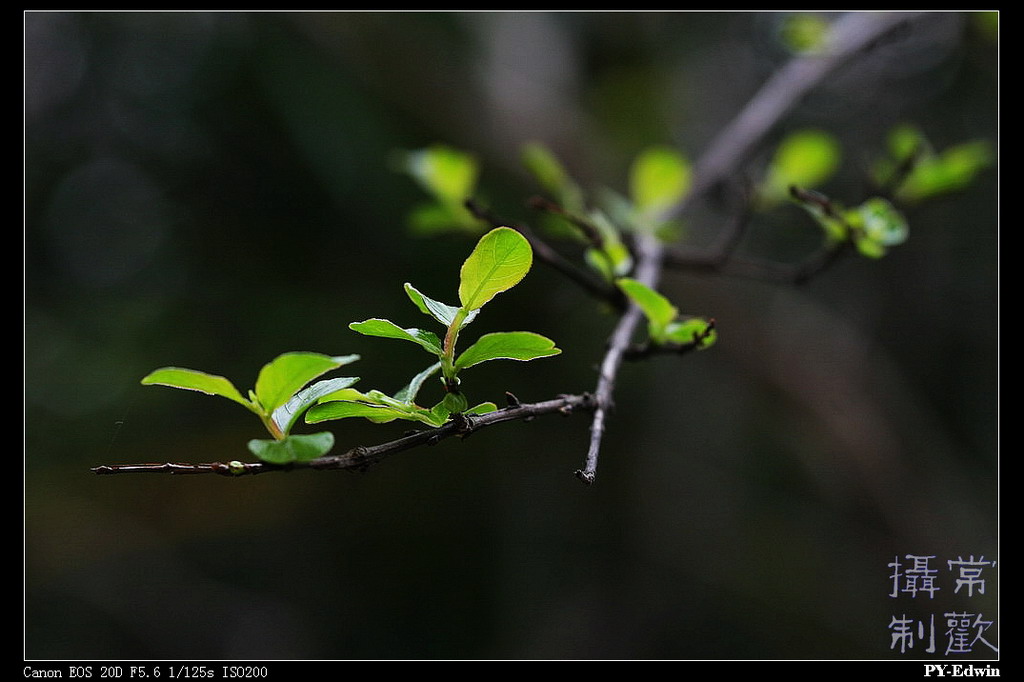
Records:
x=209, y=190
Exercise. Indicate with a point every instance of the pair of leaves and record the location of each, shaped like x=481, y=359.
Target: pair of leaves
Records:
x=280, y=397
x=663, y=324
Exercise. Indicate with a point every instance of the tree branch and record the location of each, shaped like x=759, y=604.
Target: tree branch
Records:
x=648, y=271
x=363, y=456
x=848, y=35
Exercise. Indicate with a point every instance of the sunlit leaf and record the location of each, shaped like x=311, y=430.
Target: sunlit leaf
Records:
x=545, y=167
x=658, y=310
x=804, y=159
x=482, y=408
x=280, y=378
x=193, y=380
x=427, y=220
x=691, y=330
x=443, y=313
x=340, y=409
x=659, y=178
x=507, y=346
x=294, y=448
x=882, y=223
x=804, y=32
x=499, y=261
x=447, y=173
x=950, y=171
x=284, y=416
x=389, y=330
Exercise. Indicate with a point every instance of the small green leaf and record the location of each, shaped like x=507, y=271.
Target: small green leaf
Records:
x=882, y=223
x=389, y=330
x=482, y=408
x=428, y=220
x=283, y=376
x=455, y=402
x=950, y=171
x=445, y=172
x=805, y=159
x=804, y=32
x=500, y=260
x=551, y=175
x=659, y=178
x=692, y=330
x=343, y=409
x=659, y=311
x=284, y=416
x=296, y=448
x=507, y=346
x=193, y=380
x=441, y=312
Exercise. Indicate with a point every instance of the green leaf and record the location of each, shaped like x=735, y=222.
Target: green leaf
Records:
x=455, y=402
x=408, y=394
x=507, y=346
x=343, y=409
x=659, y=177
x=283, y=376
x=690, y=330
x=552, y=176
x=443, y=313
x=482, y=408
x=804, y=32
x=389, y=330
x=805, y=159
x=659, y=311
x=882, y=223
x=428, y=220
x=951, y=171
x=193, y=380
x=284, y=416
x=445, y=172
x=500, y=260
x=296, y=448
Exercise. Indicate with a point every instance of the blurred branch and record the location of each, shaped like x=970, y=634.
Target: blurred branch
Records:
x=848, y=35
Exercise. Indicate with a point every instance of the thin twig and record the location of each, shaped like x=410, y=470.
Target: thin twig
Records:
x=363, y=456
x=648, y=271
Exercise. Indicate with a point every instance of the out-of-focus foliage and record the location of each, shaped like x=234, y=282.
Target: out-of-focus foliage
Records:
x=918, y=172
x=804, y=159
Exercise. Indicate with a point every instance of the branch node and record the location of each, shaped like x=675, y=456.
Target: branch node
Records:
x=511, y=399
x=585, y=476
